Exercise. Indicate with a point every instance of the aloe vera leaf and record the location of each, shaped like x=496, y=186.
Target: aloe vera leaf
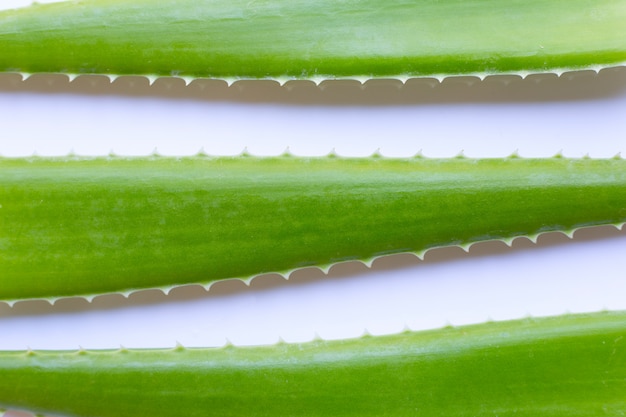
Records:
x=83, y=226
x=570, y=365
x=287, y=39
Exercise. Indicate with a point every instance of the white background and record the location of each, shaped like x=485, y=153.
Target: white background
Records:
x=575, y=114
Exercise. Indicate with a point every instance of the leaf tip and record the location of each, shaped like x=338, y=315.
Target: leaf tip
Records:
x=369, y=261
x=151, y=79
x=376, y=154
x=514, y=155
x=420, y=254
x=186, y=80
x=201, y=153
x=448, y=325
x=332, y=154
x=466, y=246
x=230, y=82
x=508, y=241
x=325, y=268
x=533, y=238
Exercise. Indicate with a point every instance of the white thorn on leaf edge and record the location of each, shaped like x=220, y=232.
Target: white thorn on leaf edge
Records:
x=151, y=79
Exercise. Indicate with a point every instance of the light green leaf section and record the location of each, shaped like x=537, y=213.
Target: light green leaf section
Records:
x=313, y=39
x=83, y=226
x=571, y=365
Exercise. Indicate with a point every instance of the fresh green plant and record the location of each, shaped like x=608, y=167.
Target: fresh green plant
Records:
x=564, y=366
x=313, y=39
x=83, y=226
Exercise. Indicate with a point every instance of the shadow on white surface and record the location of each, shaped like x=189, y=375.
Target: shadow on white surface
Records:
x=576, y=114
x=580, y=85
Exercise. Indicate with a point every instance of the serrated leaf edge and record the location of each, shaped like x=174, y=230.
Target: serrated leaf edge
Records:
x=324, y=268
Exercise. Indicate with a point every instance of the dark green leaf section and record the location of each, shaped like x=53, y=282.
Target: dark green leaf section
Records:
x=289, y=39
x=80, y=226
x=571, y=365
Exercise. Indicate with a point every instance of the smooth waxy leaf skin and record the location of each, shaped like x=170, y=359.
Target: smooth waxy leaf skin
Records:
x=304, y=39
x=565, y=366
x=83, y=226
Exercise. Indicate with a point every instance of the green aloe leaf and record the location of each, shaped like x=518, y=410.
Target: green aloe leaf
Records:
x=84, y=226
x=571, y=365
x=296, y=39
